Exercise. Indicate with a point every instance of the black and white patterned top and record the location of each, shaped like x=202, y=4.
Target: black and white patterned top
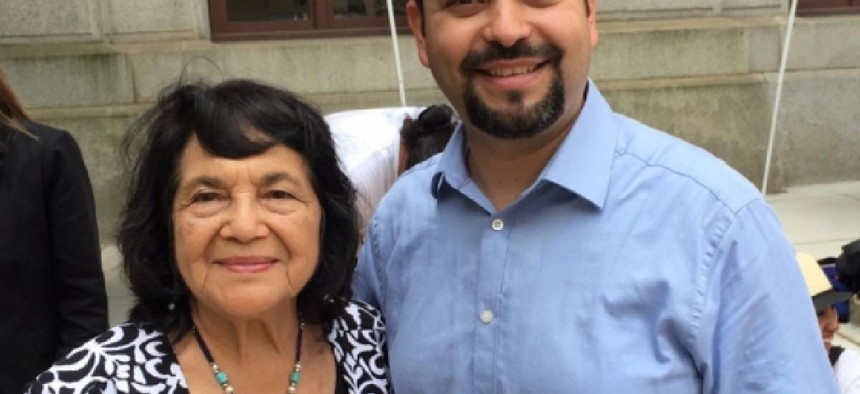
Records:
x=136, y=358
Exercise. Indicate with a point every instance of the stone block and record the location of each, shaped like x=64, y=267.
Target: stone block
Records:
x=111, y=266
x=825, y=42
x=773, y=5
x=39, y=19
x=819, y=127
x=650, y=9
x=70, y=81
x=158, y=16
x=652, y=5
x=672, y=52
x=729, y=118
x=329, y=103
x=764, y=45
x=306, y=66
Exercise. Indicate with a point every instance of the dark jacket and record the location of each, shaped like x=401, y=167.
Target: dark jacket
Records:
x=52, y=289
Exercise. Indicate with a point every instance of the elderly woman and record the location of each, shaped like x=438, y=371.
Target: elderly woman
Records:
x=238, y=239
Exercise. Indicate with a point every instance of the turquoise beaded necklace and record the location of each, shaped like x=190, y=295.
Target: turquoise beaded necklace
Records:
x=221, y=376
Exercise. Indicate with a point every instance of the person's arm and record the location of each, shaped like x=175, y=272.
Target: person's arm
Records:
x=78, y=279
x=755, y=329
x=365, y=284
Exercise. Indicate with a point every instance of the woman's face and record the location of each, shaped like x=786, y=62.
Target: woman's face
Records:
x=828, y=322
x=246, y=231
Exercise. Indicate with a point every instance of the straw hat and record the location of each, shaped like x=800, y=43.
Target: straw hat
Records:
x=819, y=287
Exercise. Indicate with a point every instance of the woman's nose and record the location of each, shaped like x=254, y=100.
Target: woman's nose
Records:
x=244, y=222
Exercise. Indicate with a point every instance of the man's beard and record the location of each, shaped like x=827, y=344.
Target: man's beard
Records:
x=519, y=121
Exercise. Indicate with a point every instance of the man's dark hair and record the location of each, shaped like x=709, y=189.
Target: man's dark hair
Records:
x=428, y=134
x=227, y=119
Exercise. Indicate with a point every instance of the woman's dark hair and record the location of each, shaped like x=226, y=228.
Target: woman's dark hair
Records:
x=428, y=134
x=227, y=120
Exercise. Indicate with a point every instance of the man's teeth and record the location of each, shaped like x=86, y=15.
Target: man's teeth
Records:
x=508, y=71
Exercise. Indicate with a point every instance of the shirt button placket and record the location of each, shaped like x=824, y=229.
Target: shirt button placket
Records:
x=493, y=251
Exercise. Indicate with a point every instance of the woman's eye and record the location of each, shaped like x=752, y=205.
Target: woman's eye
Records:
x=454, y=3
x=205, y=197
x=278, y=195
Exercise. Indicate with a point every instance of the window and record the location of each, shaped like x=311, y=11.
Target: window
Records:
x=819, y=7
x=261, y=19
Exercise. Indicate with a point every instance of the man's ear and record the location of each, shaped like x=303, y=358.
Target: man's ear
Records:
x=416, y=24
x=592, y=22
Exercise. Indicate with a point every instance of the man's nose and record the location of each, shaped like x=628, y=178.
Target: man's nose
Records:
x=507, y=23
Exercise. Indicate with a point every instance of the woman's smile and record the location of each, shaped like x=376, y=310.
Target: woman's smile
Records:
x=247, y=265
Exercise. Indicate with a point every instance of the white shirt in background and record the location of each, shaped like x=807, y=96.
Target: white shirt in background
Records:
x=368, y=145
x=847, y=371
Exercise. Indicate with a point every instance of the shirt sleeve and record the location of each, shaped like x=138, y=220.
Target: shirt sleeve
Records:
x=365, y=285
x=755, y=329
x=76, y=257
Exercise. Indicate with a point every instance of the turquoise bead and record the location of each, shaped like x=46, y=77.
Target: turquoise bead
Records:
x=221, y=377
x=295, y=377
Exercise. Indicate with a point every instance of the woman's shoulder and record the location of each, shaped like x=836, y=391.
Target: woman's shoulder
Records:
x=45, y=143
x=358, y=315
x=358, y=340
x=125, y=337
x=108, y=360
x=45, y=134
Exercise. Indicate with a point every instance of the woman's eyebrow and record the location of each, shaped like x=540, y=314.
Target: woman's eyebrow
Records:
x=204, y=180
x=275, y=177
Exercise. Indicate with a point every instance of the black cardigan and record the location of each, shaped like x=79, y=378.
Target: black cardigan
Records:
x=52, y=289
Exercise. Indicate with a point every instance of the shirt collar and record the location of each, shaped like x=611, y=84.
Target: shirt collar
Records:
x=583, y=161
x=581, y=164
x=452, y=165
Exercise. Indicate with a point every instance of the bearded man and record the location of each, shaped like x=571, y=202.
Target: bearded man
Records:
x=558, y=247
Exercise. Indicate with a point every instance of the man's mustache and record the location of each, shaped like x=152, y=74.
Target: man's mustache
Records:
x=496, y=51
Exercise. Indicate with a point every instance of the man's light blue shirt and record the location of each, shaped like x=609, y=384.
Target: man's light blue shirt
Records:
x=636, y=263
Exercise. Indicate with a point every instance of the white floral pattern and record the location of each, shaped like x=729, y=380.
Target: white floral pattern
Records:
x=136, y=358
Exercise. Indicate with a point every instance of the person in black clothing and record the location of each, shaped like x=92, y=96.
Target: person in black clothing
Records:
x=52, y=289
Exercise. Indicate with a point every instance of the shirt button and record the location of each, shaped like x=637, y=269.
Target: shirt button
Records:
x=498, y=224
x=487, y=316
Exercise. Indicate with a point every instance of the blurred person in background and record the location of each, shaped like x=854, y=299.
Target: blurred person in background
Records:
x=845, y=362
x=377, y=145
x=52, y=289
